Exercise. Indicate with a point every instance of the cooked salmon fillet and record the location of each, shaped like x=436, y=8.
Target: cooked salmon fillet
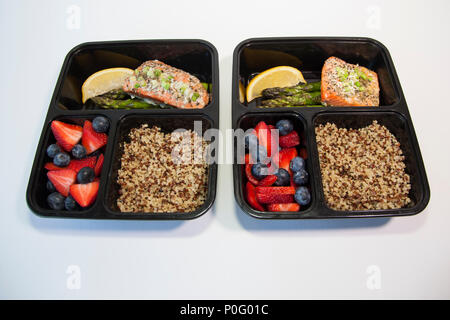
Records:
x=158, y=81
x=346, y=84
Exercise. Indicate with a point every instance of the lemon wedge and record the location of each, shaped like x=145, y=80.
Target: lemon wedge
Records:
x=282, y=76
x=103, y=81
x=241, y=92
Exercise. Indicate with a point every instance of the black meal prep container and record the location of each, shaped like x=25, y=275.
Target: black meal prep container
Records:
x=308, y=54
x=197, y=57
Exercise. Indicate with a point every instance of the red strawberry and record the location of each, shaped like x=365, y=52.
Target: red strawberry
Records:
x=275, y=190
x=66, y=135
x=292, y=139
x=99, y=165
x=275, y=194
x=247, y=158
x=283, y=207
x=84, y=194
x=62, y=180
x=92, y=140
x=265, y=138
x=274, y=198
x=251, y=197
x=51, y=166
x=286, y=155
x=271, y=127
x=267, y=181
x=81, y=163
x=248, y=173
x=303, y=153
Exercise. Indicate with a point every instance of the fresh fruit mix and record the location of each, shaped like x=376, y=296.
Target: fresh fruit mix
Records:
x=277, y=177
x=77, y=160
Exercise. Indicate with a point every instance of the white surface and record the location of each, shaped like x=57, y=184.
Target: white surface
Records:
x=225, y=253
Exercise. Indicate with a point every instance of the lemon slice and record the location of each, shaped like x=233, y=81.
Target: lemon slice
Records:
x=241, y=92
x=103, y=81
x=282, y=76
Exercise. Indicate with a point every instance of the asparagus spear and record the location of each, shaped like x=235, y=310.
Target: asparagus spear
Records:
x=311, y=98
x=272, y=93
x=117, y=94
x=108, y=103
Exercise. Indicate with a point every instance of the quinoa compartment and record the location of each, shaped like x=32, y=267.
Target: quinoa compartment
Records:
x=366, y=162
x=145, y=177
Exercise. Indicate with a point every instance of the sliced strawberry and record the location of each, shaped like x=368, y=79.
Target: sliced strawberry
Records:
x=303, y=153
x=275, y=190
x=85, y=194
x=274, y=198
x=286, y=155
x=247, y=158
x=99, y=165
x=51, y=166
x=62, y=180
x=267, y=181
x=81, y=163
x=283, y=207
x=248, y=173
x=92, y=140
x=292, y=139
x=263, y=134
x=267, y=195
x=251, y=197
x=67, y=135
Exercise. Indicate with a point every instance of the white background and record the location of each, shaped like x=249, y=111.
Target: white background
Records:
x=225, y=253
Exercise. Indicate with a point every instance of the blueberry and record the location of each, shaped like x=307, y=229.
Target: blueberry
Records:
x=301, y=177
x=50, y=186
x=284, y=127
x=78, y=151
x=53, y=150
x=259, y=153
x=61, y=159
x=100, y=124
x=259, y=170
x=86, y=175
x=56, y=201
x=297, y=164
x=250, y=140
x=302, y=196
x=70, y=204
x=283, y=178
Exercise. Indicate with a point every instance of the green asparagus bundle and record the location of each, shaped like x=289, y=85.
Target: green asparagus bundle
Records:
x=272, y=93
x=118, y=99
x=107, y=103
x=305, y=98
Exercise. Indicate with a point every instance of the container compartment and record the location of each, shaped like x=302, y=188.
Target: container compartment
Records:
x=309, y=54
x=167, y=123
x=250, y=120
x=37, y=193
x=194, y=56
x=398, y=125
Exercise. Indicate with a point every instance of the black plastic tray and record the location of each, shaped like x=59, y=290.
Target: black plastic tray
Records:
x=195, y=56
x=308, y=54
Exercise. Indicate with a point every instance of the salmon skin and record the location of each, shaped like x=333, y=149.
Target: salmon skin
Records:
x=158, y=81
x=345, y=84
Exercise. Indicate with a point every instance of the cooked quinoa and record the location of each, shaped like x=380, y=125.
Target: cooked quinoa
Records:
x=362, y=169
x=152, y=180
